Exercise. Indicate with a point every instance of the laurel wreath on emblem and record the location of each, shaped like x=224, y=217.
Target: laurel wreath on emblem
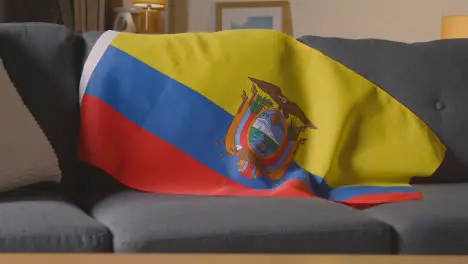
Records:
x=265, y=133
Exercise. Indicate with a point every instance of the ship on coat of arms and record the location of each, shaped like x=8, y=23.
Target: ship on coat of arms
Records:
x=266, y=132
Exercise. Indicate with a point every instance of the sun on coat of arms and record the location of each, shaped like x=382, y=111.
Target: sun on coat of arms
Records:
x=266, y=132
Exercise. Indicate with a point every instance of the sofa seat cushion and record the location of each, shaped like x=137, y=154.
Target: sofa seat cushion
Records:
x=143, y=222
x=37, y=222
x=437, y=224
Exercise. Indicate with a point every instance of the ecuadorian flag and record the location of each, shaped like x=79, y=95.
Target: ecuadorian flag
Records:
x=246, y=112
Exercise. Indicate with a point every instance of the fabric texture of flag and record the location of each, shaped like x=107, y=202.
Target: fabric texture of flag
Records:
x=248, y=113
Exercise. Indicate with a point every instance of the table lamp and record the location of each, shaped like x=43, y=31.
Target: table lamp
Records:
x=455, y=26
x=152, y=17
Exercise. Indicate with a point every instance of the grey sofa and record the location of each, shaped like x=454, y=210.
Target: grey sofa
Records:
x=89, y=212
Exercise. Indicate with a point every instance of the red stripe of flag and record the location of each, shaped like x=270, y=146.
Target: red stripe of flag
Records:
x=141, y=160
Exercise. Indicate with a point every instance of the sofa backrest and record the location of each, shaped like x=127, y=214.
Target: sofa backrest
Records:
x=430, y=78
x=44, y=63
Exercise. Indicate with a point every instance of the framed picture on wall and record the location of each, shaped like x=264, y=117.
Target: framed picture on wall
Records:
x=256, y=14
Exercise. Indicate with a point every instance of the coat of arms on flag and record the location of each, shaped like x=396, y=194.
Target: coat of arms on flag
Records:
x=265, y=133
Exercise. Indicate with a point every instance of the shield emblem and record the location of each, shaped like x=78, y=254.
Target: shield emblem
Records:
x=265, y=132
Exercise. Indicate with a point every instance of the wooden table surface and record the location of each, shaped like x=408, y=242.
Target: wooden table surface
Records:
x=223, y=259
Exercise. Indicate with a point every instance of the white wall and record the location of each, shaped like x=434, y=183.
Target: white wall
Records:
x=127, y=3
x=401, y=20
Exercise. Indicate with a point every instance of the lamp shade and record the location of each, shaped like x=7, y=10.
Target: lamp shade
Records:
x=152, y=3
x=455, y=26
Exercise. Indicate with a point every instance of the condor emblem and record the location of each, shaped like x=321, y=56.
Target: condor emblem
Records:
x=266, y=132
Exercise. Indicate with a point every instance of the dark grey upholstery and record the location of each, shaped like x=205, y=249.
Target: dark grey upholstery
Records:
x=90, y=39
x=429, y=78
x=142, y=222
x=33, y=221
x=437, y=224
x=41, y=60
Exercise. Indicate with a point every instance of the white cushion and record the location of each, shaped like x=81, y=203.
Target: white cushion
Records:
x=26, y=155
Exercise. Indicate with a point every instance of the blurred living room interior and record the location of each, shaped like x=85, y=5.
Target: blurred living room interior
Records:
x=411, y=53
x=398, y=21
x=98, y=15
